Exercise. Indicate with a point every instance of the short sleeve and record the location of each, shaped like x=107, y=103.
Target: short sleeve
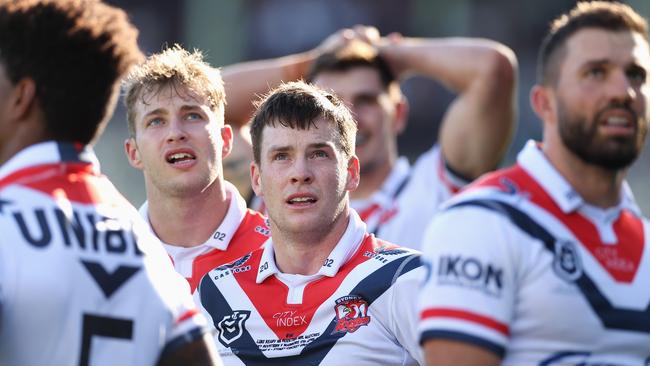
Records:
x=469, y=290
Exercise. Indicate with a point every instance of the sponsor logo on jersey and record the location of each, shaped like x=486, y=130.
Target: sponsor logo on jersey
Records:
x=390, y=251
x=351, y=312
x=231, y=327
x=566, y=263
x=78, y=229
x=235, y=263
x=289, y=318
x=470, y=272
x=263, y=230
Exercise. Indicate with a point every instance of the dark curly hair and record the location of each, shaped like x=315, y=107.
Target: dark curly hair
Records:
x=76, y=52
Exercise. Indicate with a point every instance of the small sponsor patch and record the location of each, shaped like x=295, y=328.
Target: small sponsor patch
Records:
x=235, y=263
x=470, y=272
x=390, y=251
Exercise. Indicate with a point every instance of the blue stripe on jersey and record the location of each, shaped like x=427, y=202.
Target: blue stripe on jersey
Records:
x=217, y=306
x=465, y=338
x=370, y=288
x=612, y=318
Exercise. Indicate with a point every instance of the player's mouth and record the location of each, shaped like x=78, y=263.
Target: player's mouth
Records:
x=180, y=157
x=301, y=200
x=618, y=121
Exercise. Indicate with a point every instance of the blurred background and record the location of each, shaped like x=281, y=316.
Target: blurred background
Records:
x=230, y=31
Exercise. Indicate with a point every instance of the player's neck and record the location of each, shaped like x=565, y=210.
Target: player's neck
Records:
x=189, y=220
x=305, y=253
x=596, y=185
x=372, y=179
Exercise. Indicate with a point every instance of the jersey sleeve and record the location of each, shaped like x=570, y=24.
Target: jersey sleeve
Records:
x=470, y=286
x=186, y=324
x=431, y=167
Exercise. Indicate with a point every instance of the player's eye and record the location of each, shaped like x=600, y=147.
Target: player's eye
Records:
x=155, y=121
x=193, y=116
x=280, y=156
x=319, y=154
x=636, y=74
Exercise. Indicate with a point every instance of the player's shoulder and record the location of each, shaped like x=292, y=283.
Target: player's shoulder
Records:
x=255, y=222
x=390, y=255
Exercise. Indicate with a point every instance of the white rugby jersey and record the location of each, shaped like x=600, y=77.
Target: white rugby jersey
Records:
x=409, y=197
x=82, y=282
x=359, y=309
x=241, y=231
x=521, y=265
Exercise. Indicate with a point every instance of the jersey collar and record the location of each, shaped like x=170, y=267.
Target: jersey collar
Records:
x=342, y=252
x=220, y=239
x=50, y=152
x=534, y=162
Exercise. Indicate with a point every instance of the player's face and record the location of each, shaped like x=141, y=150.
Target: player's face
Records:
x=304, y=177
x=372, y=107
x=179, y=142
x=602, y=90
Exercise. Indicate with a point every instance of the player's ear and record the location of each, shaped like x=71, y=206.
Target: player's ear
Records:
x=401, y=114
x=256, y=182
x=542, y=100
x=353, y=177
x=22, y=98
x=132, y=153
x=227, y=137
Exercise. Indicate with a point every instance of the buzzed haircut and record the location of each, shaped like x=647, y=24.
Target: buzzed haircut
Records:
x=76, y=52
x=611, y=16
x=298, y=105
x=177, y=68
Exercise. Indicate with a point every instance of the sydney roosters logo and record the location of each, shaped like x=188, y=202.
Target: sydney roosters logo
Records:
x=351, y=312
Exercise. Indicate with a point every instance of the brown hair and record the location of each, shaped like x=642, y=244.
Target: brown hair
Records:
x=297, y=105
x=612, y=16
x=75, y=51
x=354, y=54
x=175, y=67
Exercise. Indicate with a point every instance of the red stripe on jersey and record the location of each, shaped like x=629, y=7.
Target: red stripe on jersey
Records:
x=620, y=260
x=466, y=315
x=186, y=315
x=246, y=239
x=270, y=297
x=76, y=182
x=368, y=211
x=442, y=174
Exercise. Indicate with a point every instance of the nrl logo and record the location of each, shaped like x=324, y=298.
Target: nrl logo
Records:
x=352, y=313
x=231, y=327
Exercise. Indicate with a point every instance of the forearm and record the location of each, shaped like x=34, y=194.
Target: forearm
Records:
x=455, y=62
x=245, y=81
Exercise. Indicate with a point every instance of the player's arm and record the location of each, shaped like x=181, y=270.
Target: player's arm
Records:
x=442, y=352
x=245, y=81
x=477, y=126
x=466, y=320
x=200, y=352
